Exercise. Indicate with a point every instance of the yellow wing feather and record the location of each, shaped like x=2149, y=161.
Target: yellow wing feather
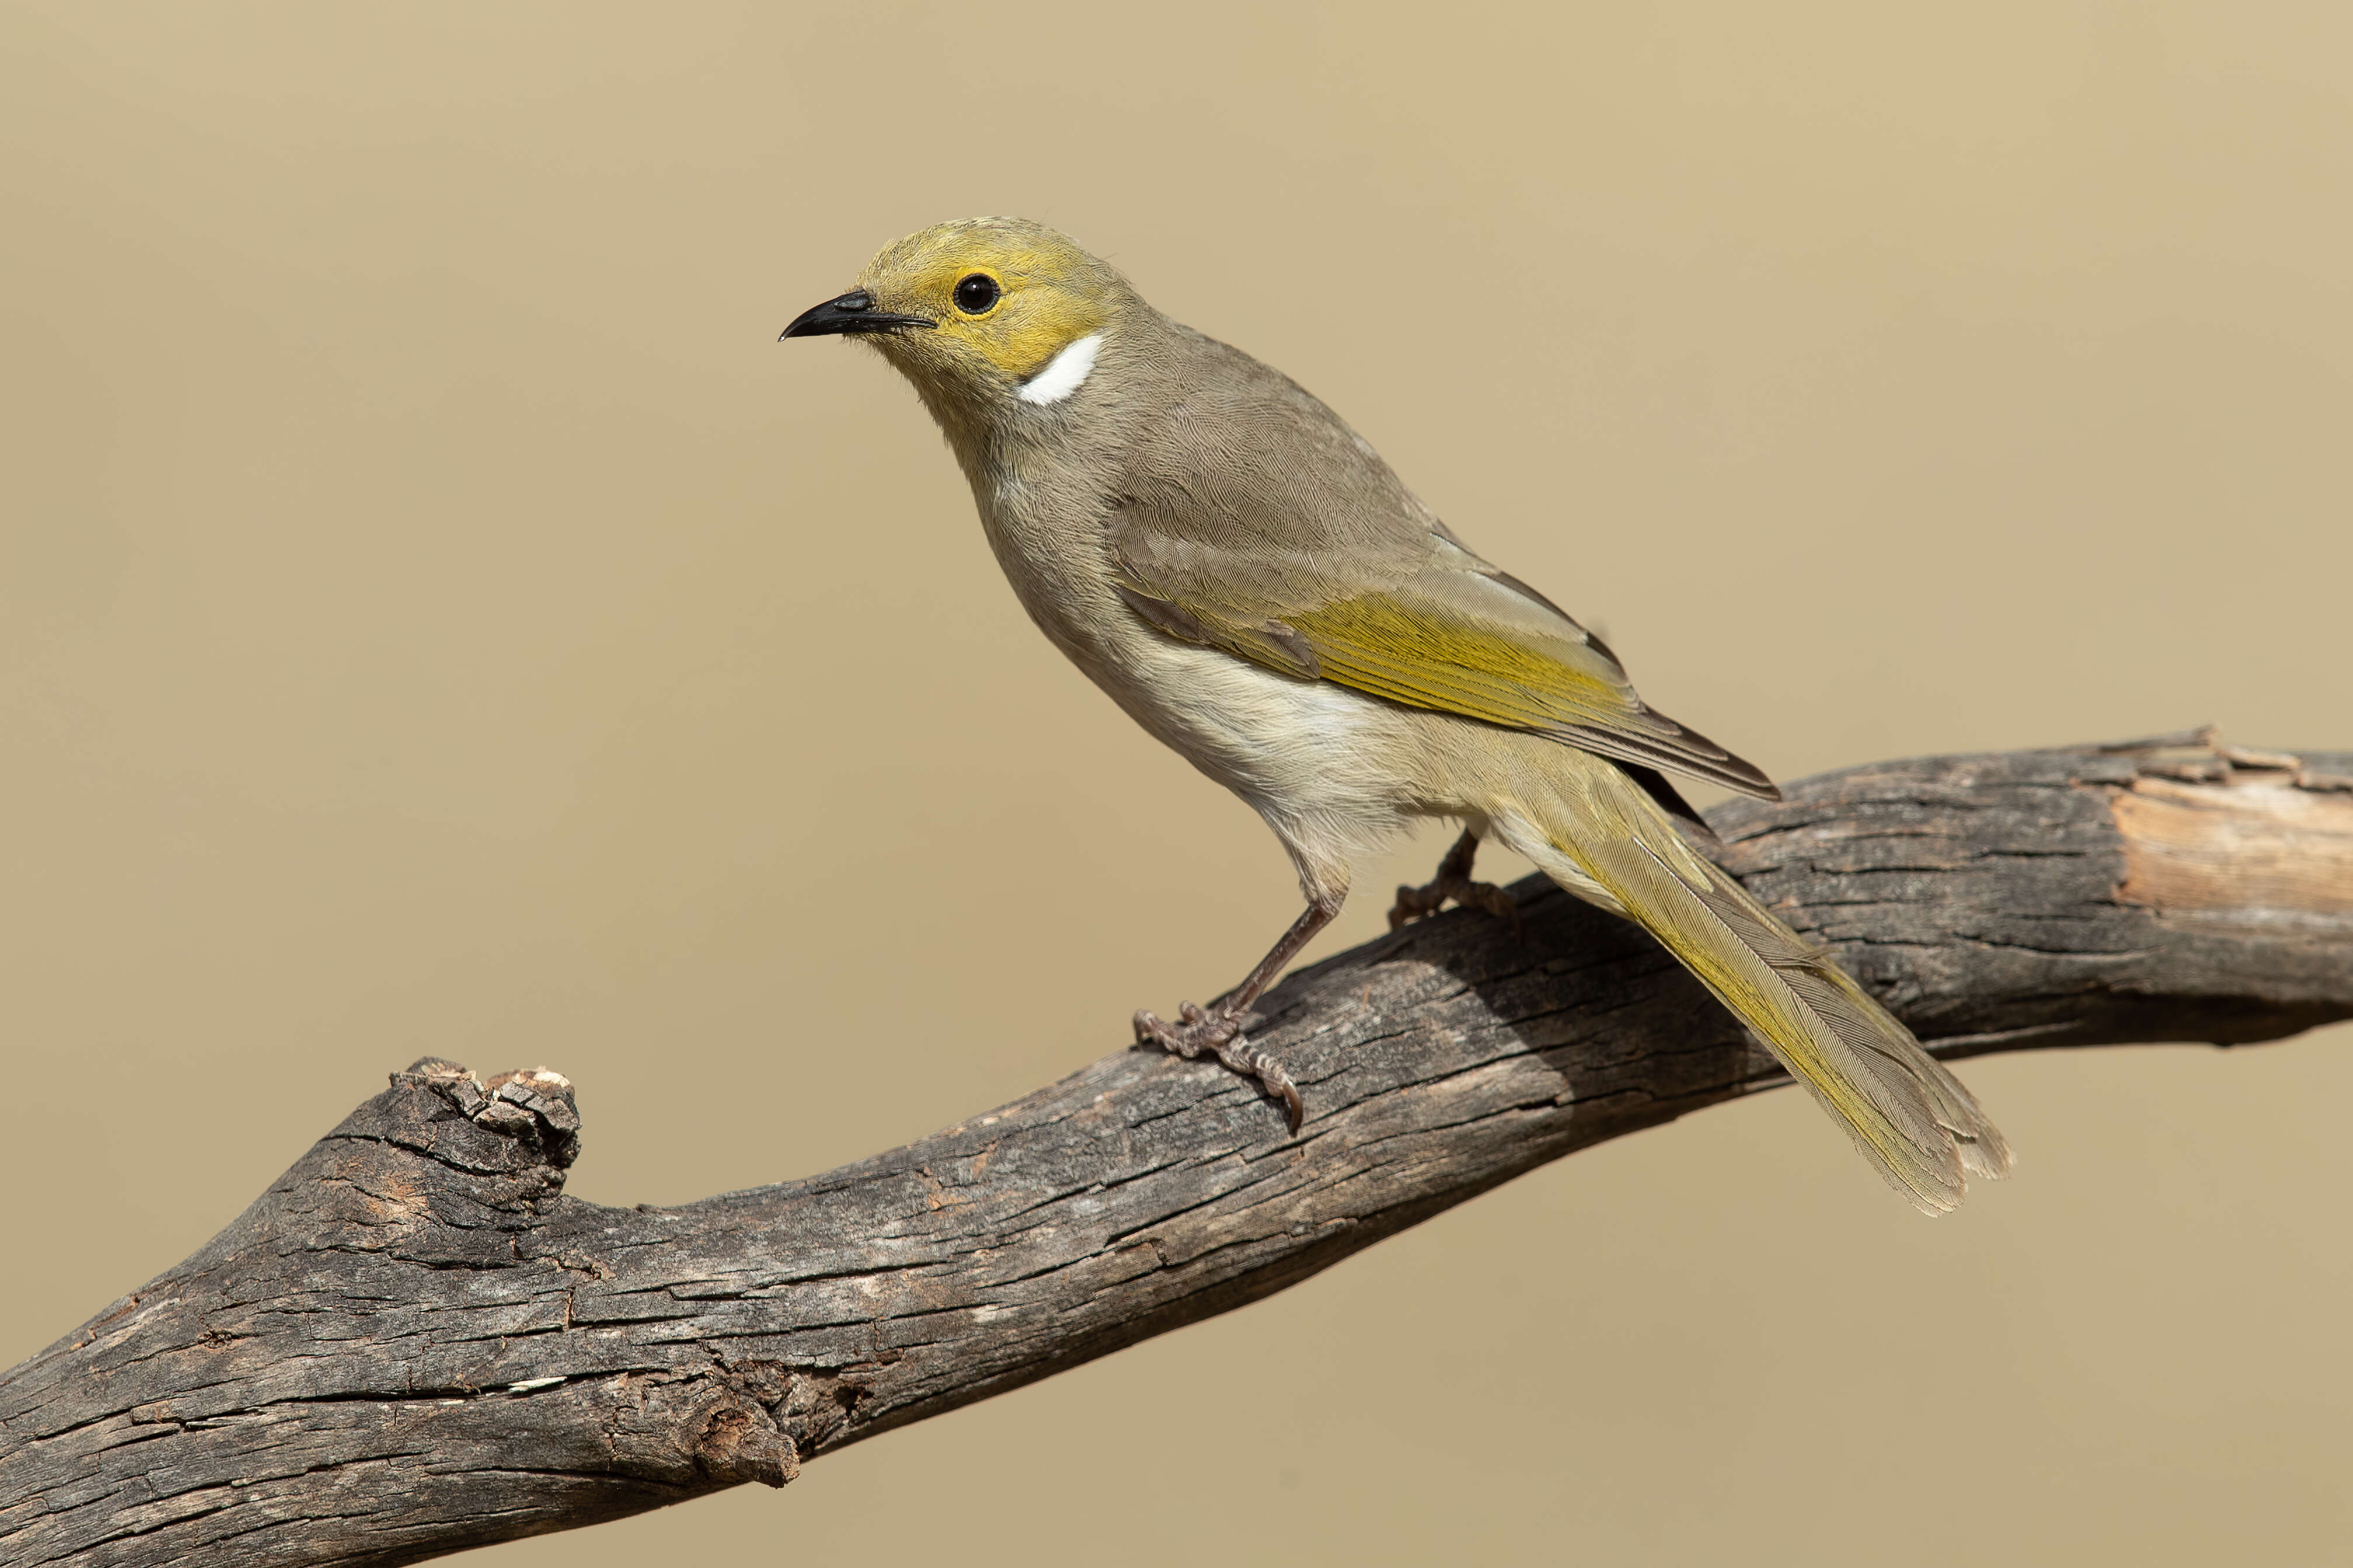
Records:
x=1459, y=642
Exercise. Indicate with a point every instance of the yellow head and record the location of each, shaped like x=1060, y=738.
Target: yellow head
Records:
x=981, y=310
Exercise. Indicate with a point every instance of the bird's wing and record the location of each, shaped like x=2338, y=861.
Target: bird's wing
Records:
x=1258, y=522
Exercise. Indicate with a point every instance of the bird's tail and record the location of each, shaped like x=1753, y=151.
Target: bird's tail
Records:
x=1910, y=1117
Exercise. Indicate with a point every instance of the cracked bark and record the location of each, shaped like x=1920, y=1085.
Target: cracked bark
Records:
x=414, y=1343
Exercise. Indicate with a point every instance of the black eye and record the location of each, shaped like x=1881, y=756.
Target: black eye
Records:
x=976, y=294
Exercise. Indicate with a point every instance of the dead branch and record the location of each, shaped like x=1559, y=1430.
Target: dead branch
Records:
x=414, y=1343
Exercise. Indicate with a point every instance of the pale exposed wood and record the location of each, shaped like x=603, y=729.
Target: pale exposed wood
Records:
x=2262, y=841
x=413, y=1343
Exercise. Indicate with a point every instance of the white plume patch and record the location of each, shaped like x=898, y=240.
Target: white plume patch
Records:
x=1063, y=373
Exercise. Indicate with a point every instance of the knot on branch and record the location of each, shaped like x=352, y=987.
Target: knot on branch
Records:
x=531, y=1105
x=441, y=1169
x=740, y=1443
x=685, y=1429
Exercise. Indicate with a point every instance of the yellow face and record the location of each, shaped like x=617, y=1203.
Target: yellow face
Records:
x=979, y=306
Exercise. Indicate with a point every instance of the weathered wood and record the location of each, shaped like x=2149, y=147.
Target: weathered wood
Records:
x=413, y=1343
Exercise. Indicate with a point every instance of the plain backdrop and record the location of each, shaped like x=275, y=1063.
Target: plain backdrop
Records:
x=436, y=616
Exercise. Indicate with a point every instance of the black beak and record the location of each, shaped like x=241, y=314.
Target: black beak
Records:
x=853, y=312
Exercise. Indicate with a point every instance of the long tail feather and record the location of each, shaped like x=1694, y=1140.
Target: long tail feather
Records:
x=1912, y=1119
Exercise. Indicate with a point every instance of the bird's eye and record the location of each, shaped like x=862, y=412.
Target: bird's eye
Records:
x=976, y=294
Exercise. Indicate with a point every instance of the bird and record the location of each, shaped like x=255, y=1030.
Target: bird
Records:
x=1244, y=575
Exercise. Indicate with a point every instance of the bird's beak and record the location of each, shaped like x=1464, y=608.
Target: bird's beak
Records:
x=853, y=312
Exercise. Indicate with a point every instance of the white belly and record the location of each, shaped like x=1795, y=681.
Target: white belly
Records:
x=1299, y=746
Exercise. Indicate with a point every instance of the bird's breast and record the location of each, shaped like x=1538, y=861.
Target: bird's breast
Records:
x=1052, y=552
x=1271, y=738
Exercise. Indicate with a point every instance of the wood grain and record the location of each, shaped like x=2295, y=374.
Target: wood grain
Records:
x=414, y=1343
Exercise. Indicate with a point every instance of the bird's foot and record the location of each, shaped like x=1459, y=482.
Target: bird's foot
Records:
x=1219, y=1034
x=1421, y=903
x=1453, y=881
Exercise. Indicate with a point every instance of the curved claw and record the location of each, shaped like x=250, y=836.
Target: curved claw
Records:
x=1453, y=881
x=1243, y=1058
x=1420, y=903
x=1204, y=1034
x=1415, y=904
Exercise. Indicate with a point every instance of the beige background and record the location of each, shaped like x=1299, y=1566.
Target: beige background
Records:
x=436, y=616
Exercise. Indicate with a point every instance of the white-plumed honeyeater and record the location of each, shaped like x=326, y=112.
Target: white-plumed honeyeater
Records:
x=1246, y=577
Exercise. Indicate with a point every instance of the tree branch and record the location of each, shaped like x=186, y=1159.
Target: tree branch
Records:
x=414, y=1343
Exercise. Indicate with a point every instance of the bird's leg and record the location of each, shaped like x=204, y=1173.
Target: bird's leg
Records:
x=1453, y=881
x=1219, y=1029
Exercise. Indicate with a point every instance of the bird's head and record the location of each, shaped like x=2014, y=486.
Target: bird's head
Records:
x=982, y=312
